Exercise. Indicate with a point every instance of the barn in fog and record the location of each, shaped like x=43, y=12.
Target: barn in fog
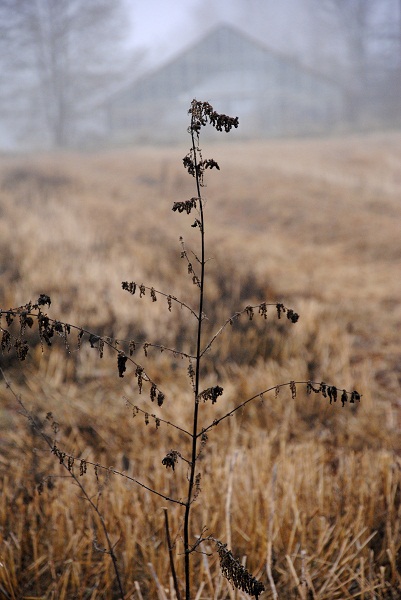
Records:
x=272, y=94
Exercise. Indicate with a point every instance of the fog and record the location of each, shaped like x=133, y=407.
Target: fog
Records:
x=67, y=64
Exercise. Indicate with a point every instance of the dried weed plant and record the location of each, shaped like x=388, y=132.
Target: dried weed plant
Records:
x=184, y=461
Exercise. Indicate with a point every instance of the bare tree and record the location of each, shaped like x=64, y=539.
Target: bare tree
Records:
x=363, y=41
x=58, y=58
x=386, y=75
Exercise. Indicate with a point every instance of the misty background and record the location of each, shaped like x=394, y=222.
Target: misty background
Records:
x=62, y=61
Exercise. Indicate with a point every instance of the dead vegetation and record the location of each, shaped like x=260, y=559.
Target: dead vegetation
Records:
x=307, y=493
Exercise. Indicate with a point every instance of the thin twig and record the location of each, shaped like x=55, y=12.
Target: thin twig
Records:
x=161, y=420
x=170, y=553
x=60, y=454
x=56, y=451
x=233, y=318
x=170, y=297
x=171, y=350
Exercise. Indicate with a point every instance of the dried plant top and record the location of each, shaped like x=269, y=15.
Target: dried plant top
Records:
x=203, y=112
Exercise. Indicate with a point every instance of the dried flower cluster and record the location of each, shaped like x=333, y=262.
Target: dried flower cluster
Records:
x=331, y=392
x=291, y=315
x=186, y=206
x=327, y=391
x=236, y=573
x=170, y=460
x=26, y=315
x=262, y=310
x=69, y=461
x=211, y=393
x=202, y=112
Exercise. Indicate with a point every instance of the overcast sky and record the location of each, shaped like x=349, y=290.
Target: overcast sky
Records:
x=162, y=27
x=161, y=20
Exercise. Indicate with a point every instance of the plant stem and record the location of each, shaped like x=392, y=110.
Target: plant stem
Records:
x=197, y=377
x=170, y=553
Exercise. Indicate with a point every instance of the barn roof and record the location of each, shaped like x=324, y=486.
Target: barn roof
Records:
x=271, y=93
x=224, y=51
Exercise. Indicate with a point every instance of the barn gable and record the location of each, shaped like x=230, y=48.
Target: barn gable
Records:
x=272, y=94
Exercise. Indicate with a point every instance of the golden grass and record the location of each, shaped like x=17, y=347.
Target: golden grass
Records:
x=306, y=493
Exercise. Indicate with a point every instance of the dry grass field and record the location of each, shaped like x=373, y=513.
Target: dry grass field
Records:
x=305, y=493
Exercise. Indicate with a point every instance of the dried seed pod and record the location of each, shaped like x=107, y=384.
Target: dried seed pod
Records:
x=236, y=573
x=170, y=460
x=121, y=360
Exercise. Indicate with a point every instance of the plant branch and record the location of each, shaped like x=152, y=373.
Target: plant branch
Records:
x=326, y=390
x=83, y=462
x=262, y=308
x=61, y=455
x=144, y=412
x=167, y=349
x=132, y=287
x=47, y=328
x=33, y=423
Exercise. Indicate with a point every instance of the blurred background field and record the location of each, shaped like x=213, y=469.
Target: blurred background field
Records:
x=308, y=489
